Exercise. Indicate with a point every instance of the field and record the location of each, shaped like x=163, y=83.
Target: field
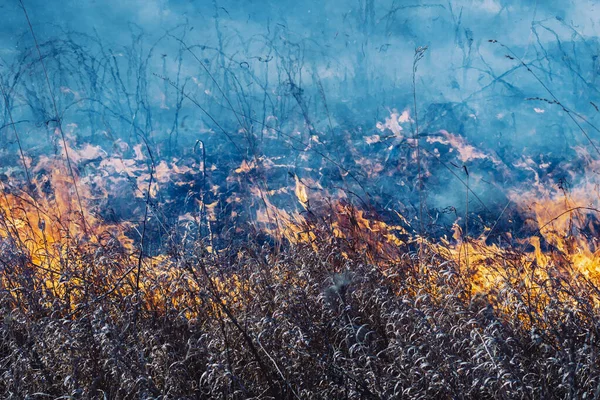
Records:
x=244, y=205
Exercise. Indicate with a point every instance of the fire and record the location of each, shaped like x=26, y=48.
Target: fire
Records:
x=558, y=249
x=245, y=167
x=337, y=220
x=53, y=236
x=75, y=255
x=466, y=151
x=52, y=227
x=301, y=192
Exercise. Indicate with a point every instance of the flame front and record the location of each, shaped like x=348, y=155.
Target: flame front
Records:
x=52, y=233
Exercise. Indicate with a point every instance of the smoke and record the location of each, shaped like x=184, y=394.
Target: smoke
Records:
x=311, y=86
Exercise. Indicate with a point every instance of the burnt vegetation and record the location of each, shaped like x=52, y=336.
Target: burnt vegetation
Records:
x=211, y=221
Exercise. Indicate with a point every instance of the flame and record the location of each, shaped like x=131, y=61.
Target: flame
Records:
x=75, y=255
x=52, y=236
x=53, y=228
x=393, y=123
x=301, y=192
x=356, y=232
x=245, y=167
x=466, y=152
x=557, y=249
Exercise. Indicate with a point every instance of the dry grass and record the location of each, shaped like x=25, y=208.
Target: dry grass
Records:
x=296, y=322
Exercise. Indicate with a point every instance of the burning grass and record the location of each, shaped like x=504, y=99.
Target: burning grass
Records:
x=337, y=304
x=198, y=247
